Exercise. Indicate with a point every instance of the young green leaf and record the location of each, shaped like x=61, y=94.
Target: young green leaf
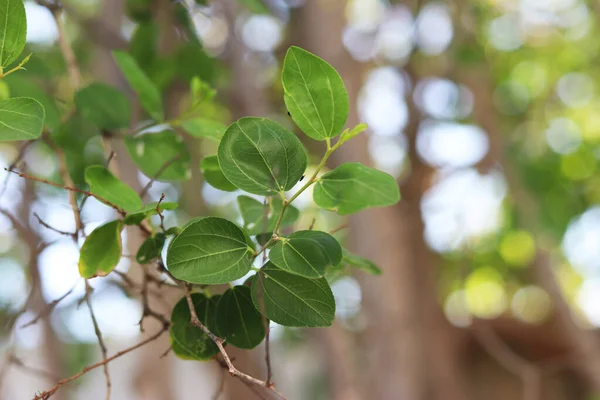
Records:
x=255, y=220
x=162, y=152
x=105, y=185
x=238, y=321
x=210, y=251
x=213, y=174
x=292, y=300
x=21, y=118
x=306, y=253
x=350, y=133
x=352, y=187
x=101, y=251
x=204, y=127
x=151, y=248
x=359, y=262
x=314, y=94
x=147, y=91
x=105, y=106
x=13, y=31
x=191, y=342
x=147, y=210
x=261, y=156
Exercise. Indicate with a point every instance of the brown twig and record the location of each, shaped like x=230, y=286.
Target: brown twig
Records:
x=45, y=395
x=161, y=216
x=339, y=228
x=160, y=171
x=48, y=309
x=88, y=301
x=48, y=226
x=65, y=47
x=12, y=165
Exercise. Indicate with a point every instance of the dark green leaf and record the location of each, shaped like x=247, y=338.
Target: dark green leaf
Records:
x=314, y=94
x=104, y=105
x=209, y=250
x=148, y=93
x=204, y=127
x=191, y=342
x=105, y=185
x=255, y=219
x=144, y=43
x=306, y=253
x=21, y=118
x=213, y=174
x=261, y=157
x=149, y=209
x=151, y=152
x=101, y=251
x=292, y=300
x=150, y=249
x=13, y=31
x=238, y=321
x=352, y=187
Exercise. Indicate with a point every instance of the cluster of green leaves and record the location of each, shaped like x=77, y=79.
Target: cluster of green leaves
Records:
x=289, y=284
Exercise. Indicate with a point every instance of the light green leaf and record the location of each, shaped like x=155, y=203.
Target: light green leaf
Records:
x=306, y=253
x=261, y=157
x=13, y=31
x=352, y=187
x=255, y=220
x=101, y=251
x=21, y=118
x=147, y=91
x=190, y=342
x=213, y=174
x=105, y=106
x=151, y=152
x=147, y=210
x=255, y=6
x=238, y=321
x=150, y=249
x=314, y=94
x=209, y=250
x=292, y=300
x=105, y=185
x=350, y=133
x=361, y=263
x=204, y=127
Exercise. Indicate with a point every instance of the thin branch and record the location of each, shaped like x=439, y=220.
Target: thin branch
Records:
x=339, y=228
x=160, y=171
x=48, y=393
x=48, y=226
x=14, y=360
x=12, y=165
x=48, y=309
x=267, y=328
x=65, y=48
x=88, y=301
x=69, y=188
x=161, y=216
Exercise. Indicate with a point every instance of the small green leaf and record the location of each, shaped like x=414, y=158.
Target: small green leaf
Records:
x=261, y=157
x=147, y=210
x=213, y=174
x=101, y=251
x=306, y=253
x=292, y=300
x=151, y=152
x=150, y=249
x=359, y=262
x=210, y=251
x=314, y=94
x=13, y=31
x=21, y=118
x=204, y=127
x=190, y=342
x=349, y=134
x=352, y=187
x=147, y=91
x=105, y=106
x=238, y=321
x=255, y=219
x=105, y=185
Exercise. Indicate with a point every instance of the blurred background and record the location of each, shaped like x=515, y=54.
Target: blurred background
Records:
x=487, y=113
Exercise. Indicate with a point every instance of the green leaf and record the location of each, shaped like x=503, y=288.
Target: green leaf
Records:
x=104, y=105
x=350, y=133
x=151, y=152
x=213, y=174
x=21, y=118
x=253, y=213
x=204, y=127
x=101, y=251
x=352, y=187
x=151, y=248
x=238, y=321
x=147, y=91
x=261, y=157
x=306, y=253
x=191, y=342
x=147, y=210
x=105, y=185
x=292, y=300
x=255, y=6
x=359, y=262
x=13, y=31
x=22, y=85
x=209, y=250
x=314, y=94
